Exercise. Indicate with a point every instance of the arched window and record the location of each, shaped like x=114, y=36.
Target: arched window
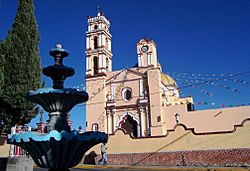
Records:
x=95, y=42
x=95, y=65
x=107, y=63
x=96, y=27
x=127, y=94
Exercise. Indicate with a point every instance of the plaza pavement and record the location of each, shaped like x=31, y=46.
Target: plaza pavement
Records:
x=152, y=168
x=176, y=168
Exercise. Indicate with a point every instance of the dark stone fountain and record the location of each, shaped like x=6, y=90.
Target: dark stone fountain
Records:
x=60, y=148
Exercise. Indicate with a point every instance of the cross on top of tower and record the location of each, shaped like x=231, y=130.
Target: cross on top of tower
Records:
x=98, y=10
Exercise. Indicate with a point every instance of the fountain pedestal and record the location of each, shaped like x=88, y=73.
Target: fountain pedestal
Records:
x=58, y=121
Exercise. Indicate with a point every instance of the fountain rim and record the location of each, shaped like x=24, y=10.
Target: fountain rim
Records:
x=56, y=51
x=28, y=136
x=56, y=91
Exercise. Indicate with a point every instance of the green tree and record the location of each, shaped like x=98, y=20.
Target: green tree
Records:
x=21, y=71
x=1, y=66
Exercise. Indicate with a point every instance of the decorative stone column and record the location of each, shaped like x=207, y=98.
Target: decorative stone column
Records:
x=138, y=130
x=147, y=120
x=143, y=121
x=114, y=119
x=112, y=91
x=109, y=121
x=141, y=89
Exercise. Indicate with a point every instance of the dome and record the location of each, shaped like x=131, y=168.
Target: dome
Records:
x=167, y=80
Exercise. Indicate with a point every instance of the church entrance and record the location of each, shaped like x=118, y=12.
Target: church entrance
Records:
x=130, y=125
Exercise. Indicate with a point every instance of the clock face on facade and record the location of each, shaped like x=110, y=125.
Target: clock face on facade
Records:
x=144, y=48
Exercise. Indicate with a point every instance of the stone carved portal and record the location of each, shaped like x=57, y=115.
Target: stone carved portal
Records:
x=130, y=124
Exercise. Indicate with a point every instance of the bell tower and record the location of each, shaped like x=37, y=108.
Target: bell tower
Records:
x=147, y=54
x=98, y=46
x=98, y=66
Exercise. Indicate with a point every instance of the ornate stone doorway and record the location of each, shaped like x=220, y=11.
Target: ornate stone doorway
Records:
x=130, y=125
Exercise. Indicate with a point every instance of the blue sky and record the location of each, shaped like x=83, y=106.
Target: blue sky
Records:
x=199, y=37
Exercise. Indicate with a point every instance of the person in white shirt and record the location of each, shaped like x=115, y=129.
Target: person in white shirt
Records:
x=104, y=155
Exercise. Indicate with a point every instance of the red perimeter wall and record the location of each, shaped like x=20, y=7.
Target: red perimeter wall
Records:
x=221, y=157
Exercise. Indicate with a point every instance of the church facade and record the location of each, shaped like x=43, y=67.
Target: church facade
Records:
x=147, y=121
x=133, y=98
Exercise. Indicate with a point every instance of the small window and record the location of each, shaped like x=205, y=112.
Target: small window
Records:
x=190, y=107
x=96, y=27
x=95, y=127
x=158, y=118
x=127, y=94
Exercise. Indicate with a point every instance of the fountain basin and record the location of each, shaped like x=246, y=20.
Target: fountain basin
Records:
x=53, y=100
x=57, y=150
x=58, y=102
x=58, y=73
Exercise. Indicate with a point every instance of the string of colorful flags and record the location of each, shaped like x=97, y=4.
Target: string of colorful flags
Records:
x=185, y=82
x=201, y=82
x=246, y=73
x=190, y=83
x=214, y=77
x=188, y=80
x=220, y=105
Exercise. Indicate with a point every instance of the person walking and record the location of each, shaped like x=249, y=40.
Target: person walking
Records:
x=104, y=155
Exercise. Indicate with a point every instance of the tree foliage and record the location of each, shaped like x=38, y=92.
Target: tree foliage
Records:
x=20, y=66
x=1, y=66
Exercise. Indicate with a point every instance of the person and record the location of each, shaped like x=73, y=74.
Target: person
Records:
x=29, y=128
x=104, y=155
x=177, y=118
x=12, y=147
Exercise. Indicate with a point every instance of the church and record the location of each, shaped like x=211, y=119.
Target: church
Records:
x=133, y=99
x=147, y=121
